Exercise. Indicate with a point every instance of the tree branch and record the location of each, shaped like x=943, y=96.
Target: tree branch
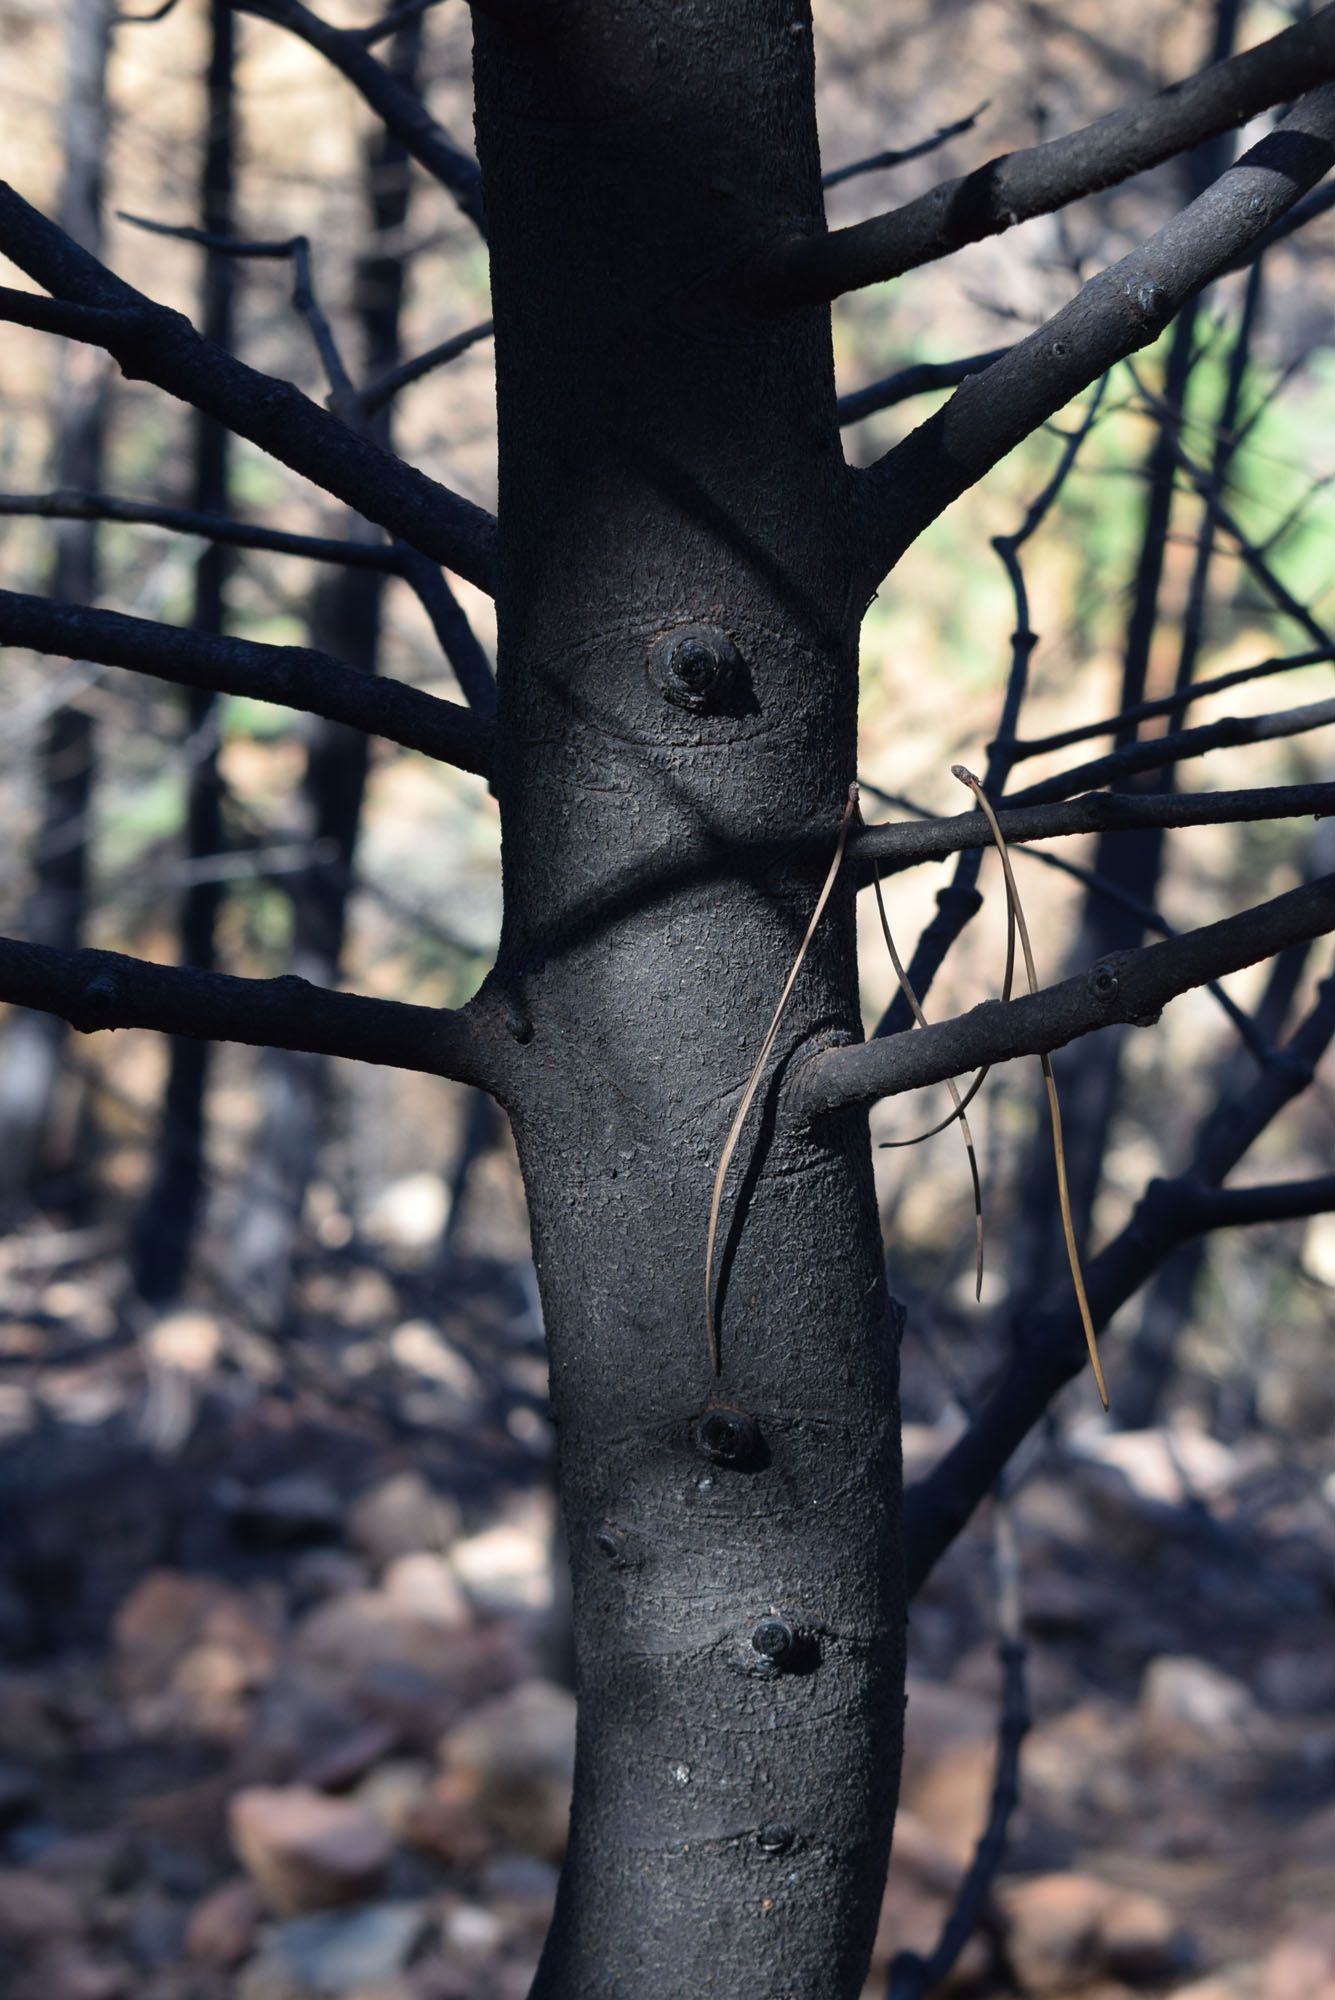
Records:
x=454, y=635
x=520, y=15
x=390, y=23
x=211, y=527
x=93, y=990
x=376, y=394
x=1049, y=1348
x=906, y=843
x=1203, y=1208
x=1252, y=557
x=1016, y=186
x=293, y=676
x=876, y=163
x=911, y=1976
x=151, y=343
x=1024, y=747
x=916, y=380
x=399, y=109
x=1121, y=310
x=1308, y=210
x=959, y=903
x=1160, y=752
x=1126, y=986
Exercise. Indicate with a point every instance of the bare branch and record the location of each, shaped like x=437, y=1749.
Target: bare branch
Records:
x=916, y=380
x=1308, y=210
x=1048, y=1346
x=293, y=676
x=909, y=842
x=960, y=903
x=876, y=163
x=1252, y=557
x=399, y=108
x=93, y=990
x=153, y=344
x=519, y=15
x=1039, y=179
x=212, y=527
x=1121, y=310
x=1204, y=1207
x=376, y=394
x=1161, y=752
x=911, y=1976
x=1129, y=986
x=98, y=325
x=1023, y=747
x=295, y=250
x=389, y=24
x=454, y=634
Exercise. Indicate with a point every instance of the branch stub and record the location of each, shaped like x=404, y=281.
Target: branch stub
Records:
x=730, y=1437
x=694, y=667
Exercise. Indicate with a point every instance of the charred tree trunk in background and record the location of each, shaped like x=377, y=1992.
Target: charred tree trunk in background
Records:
x=345, y=622
x=1091, y=1076
x=676, y=735
x=35, y=1043
x=165, y=1227
x=1147, y=1370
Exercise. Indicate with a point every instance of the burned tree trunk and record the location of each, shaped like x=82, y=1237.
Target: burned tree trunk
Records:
x=35, y=1043
x=680, y=563
x=675, y=742
x=165, y=1226
x=345, y=620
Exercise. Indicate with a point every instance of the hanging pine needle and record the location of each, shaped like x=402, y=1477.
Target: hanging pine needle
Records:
x=753, y=1082
x=966, y=777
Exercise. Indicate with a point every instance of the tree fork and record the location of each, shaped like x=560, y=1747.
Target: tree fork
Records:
x=677, y=637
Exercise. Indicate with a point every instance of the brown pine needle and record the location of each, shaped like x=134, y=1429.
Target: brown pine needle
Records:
x=906, y=988
x=966, y=777
x=961, y=1103
x=753, y=1083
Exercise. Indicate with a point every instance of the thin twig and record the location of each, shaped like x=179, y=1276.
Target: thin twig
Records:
x=908, y=843
x=959, y=1111
x=212, y=527
x=1023, y=747
x=295, y=250
x=915, y=1978
x=875, y=162
x=376, y=394
x=1160, y=752
x=390, y=23
x=1045, y=1357
x=960, y=902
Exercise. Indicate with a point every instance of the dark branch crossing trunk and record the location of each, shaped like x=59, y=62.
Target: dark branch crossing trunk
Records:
x=34, y=1044
x=165, y=1226
x=678, y=635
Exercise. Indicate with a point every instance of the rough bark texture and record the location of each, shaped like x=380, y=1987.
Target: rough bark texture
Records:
x=671, y=479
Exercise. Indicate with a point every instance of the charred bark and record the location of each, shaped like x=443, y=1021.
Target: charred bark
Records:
x=675, y=740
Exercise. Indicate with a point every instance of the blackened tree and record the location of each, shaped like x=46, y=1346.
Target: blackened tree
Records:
x=681, y=563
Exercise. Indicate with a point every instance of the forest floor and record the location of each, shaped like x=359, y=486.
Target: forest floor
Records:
x=283, y=1711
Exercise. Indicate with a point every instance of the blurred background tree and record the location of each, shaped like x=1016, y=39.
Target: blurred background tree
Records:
x=275, y=1451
